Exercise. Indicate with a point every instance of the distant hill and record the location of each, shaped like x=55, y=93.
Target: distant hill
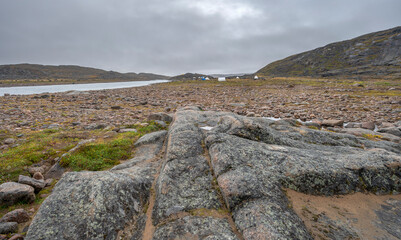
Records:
x=189, y=76
x=376, y=54
x=35, y=71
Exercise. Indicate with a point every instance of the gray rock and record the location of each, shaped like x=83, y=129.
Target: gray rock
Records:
x=191, y=227
x=389, y=218
x=56, y=171
x=9, y=141
x=333, y=123
x=38, y=176
x=12, y=193
x=353, y=125
x=147, y=148
x=8, y=227
x=161, y=117
x=393, y=131
x=161, y=123
x=368, y=125
x=17, y=215
x=94, y=205
x=32, y=170
x=183, y=185
x=36, y=184
x=124, y=130
x=151, y=138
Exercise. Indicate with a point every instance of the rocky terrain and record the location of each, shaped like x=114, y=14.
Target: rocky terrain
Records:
x=218, y=175
x=33, y=74
x=250, y=165
x=374, y=55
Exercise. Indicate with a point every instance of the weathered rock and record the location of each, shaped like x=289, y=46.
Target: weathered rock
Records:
x=36, y=184
x=368, y=125
x=38, y=176
x=353, y=125
x=56, y=171
x=9, y=141
x=196, y=228
x=147, y=148
x=8, y=227
x=216, y=162
x=32, y=170
x=94, y=205
x=389, y=218
x=124, y=130
x=12, y=193
x=17, y=215
x=161, y=117
x=393, y=131
x=151, y=138
x=333, y=123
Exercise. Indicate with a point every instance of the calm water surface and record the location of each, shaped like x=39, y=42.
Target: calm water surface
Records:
x=74, y=87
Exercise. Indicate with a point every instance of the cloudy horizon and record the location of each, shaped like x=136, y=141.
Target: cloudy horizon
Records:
x=179, y=36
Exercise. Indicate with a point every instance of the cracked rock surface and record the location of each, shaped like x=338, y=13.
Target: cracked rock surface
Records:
x=221, y=177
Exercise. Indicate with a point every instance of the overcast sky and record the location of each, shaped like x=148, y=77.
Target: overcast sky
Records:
x=177, y=36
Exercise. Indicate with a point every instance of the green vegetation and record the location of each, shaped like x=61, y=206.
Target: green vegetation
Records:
x=46, y=145
x=104, y=154
x=372, y=137
x=35, y=147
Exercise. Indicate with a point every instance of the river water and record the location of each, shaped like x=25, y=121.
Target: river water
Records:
x=74, y=87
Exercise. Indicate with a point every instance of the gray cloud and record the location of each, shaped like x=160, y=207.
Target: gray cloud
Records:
x=177, y=36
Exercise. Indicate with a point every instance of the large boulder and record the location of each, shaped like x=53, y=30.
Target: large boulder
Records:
x=12, y=193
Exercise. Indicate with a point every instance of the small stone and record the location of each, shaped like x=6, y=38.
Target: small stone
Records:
x=36, y=184
x=38, y=176
x=9, y=141
x=368, y=125
x=160, y=116
x=127, y=130
x=333, y=123
x=353, y=125
x=161, y=123
x=49, y=181
x=8, y=227
x=32, y=170
x=11, y=193
x=250, y=114
x=75, y=123
x=18, y=215
x=54, y=126
x=116, y=107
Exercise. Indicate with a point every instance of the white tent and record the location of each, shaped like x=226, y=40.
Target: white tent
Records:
x=256, y=77
x=221, y=79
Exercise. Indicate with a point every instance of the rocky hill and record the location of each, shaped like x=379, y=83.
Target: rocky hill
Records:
x=35, y=71
x=376, y=54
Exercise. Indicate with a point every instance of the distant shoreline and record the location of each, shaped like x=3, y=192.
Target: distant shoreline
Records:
x=27, y=84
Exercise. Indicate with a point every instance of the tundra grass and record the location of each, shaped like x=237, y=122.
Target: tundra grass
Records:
x=105, y=153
